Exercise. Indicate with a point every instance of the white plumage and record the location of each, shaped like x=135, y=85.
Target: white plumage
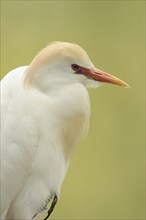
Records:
x=45, y=113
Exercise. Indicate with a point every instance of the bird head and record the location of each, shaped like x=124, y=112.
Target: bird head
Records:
x=65, y=63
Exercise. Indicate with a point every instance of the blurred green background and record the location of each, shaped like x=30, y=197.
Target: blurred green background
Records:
x=106, y=177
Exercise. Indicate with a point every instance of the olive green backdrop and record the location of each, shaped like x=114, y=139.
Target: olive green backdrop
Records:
x=106, y=177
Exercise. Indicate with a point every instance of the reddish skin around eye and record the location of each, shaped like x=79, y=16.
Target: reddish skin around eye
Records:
x=98, y=75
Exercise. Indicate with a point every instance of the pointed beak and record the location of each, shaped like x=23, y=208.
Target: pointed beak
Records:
x=104, y=77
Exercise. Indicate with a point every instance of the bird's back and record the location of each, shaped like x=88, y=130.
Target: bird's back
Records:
x=14, y=163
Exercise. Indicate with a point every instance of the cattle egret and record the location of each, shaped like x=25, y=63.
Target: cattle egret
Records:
x=45, y=113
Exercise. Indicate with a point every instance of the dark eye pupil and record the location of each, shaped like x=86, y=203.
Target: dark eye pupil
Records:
x=75, y=67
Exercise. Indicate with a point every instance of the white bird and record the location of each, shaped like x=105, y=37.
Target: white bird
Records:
x=45, y=113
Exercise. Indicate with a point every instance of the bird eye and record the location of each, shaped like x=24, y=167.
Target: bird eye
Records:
x=75, y=67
